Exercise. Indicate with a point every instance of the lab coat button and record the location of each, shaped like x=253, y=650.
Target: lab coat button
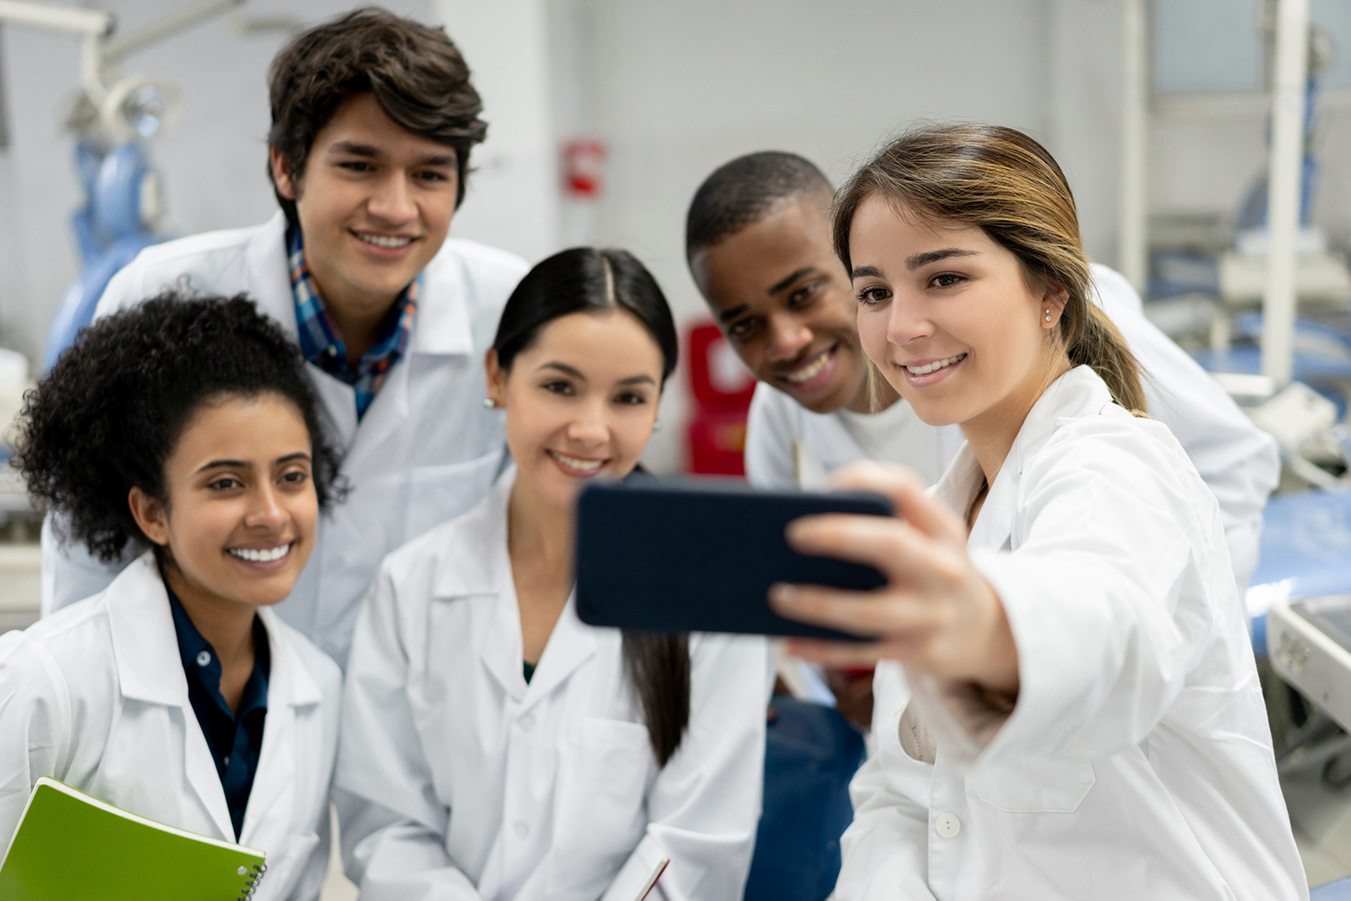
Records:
x=947, y=825
x=204, y=658
x=526, y=722
x=522, y=830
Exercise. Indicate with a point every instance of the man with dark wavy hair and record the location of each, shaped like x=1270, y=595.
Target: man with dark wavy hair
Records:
x=374, y=117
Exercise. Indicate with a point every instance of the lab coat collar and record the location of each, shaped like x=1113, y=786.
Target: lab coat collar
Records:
x=145, y=647
x=1079, y=392
x=291, y=686
x=443, y=325
x=268, y=280
x=479, y=565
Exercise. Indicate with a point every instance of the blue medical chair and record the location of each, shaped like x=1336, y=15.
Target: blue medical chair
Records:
x=111, y=229
x=1306, y=551
x=811, y=753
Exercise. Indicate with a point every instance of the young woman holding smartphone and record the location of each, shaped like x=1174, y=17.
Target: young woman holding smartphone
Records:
x=1073, y=710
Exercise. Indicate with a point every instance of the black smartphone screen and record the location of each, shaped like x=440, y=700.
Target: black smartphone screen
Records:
x=663, y=555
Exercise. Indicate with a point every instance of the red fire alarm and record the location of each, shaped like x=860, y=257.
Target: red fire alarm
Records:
x=582, y=163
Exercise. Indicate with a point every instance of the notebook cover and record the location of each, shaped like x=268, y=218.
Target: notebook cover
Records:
x=69, y=845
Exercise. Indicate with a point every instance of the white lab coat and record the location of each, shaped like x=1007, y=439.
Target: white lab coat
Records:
x=425, y=451
x=458, y=780
x=95, y=696
x=1137, y=761
x=1239, y=462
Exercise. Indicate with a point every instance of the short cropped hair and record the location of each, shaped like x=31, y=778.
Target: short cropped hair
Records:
x=108, y=416
x=741, y=193
x=415, y=72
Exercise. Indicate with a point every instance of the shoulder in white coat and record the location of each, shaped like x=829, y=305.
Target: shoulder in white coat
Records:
x=95, y=696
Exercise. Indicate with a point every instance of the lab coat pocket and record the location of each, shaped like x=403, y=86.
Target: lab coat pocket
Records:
x=601, y=790
x=439, y=493
x=286, y=866
x=1034, y=785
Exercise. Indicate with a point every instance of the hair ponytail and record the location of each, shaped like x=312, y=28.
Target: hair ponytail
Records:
x=658, y=668
x=1100, y=345
x=1007, y=184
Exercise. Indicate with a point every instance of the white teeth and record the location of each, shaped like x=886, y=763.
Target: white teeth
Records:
x=261, y=556
x=934, y=366
x=808, y=372
x=385, y=240
x=574, y=463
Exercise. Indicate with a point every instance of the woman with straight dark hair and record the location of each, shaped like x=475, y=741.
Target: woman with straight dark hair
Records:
x=493, y=745
x=1070, y=707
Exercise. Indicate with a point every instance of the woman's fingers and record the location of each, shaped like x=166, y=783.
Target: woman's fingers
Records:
x=908, y=494
x=894, y=547
x=863, y=613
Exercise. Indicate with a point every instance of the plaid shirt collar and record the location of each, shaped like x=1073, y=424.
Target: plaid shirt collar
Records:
x=319, y=339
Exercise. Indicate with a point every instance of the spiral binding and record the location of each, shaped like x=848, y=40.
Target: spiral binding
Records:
x=251, y=883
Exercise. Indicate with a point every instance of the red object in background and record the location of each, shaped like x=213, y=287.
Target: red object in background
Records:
x=721, y=389
x=582, y=168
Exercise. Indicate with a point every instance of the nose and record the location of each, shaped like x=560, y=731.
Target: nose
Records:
x=908, y=322
x=265, y=509
x=788, y=335
x=590, y=427
x=392, y=200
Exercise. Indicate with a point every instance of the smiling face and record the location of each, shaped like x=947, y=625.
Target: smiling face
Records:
x=374, y=202
x=784, y=301
x=240, y=519
x=946, y=315
x=580, y=402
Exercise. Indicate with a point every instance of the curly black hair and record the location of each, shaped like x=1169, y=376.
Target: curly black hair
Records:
x=109, y=414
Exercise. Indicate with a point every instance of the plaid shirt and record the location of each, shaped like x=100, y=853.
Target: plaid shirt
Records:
x=319, y=339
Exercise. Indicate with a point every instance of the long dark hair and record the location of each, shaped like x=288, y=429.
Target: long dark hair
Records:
x=580, y=280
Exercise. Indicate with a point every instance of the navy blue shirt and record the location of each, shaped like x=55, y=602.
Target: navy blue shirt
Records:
x=235, y=740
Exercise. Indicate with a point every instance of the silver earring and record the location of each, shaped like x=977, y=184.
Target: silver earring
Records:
x=656, y=425
x=1048, y=315
x=489, y=403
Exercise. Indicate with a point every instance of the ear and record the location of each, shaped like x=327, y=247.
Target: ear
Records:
x=281, y=174
x=1052, y=305
x=497, y=379
x=150, y=516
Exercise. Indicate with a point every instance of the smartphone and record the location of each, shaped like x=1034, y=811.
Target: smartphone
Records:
x=667, y=555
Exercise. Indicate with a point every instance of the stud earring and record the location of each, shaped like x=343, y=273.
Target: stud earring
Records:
x=656, y=425
x=1048, y=315
x=489, y=403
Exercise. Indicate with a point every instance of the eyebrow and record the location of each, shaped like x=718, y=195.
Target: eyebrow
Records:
x=244, y=464
x=643, y=379
x=729, y=315
x=933, y=256
x=352, y=148
x=804, y=271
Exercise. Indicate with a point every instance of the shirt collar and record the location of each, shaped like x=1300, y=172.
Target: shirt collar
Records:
x=192, y=646
x=318, y=336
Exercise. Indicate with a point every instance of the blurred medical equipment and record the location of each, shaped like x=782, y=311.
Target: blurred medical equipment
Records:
x=112, y=115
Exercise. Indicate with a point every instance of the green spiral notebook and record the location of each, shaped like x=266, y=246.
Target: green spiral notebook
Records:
x=69, y=845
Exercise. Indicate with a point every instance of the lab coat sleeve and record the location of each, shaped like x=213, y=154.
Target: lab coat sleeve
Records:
x=884, y=850
x=1238, y=461
x=392, y=824
x=35, y=724
x=769, y=441
x=1119, y=582
x=704, y=805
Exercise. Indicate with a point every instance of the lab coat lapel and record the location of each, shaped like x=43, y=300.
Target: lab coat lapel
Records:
x=290, y=687
x=571, y=644
x=145, y=646
x=481, y=567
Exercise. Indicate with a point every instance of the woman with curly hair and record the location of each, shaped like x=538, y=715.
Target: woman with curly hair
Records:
x=185, y=427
